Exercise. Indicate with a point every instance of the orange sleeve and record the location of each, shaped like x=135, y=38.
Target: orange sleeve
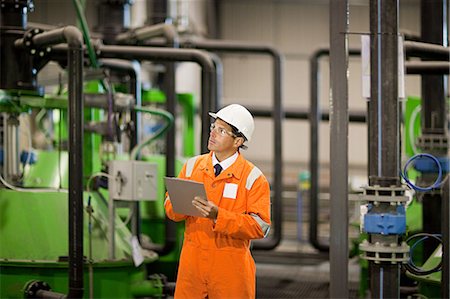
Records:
x=168, y=205
x=246, y=226
x=169, y=211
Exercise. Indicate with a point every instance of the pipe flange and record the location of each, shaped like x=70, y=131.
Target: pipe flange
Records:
x=29, y=45
x=382, y=253
x=436, y=143
x=17, y=4
x=377, y=194
x=34, y=286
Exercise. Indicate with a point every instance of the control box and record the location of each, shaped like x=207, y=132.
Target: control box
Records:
x=132, y=180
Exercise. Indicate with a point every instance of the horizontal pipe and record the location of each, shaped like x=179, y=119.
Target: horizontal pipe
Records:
x=355, y=116
x=69, y=34
x=228, y=46
x=427, y=67
x=426, y=50
x=144, y=33
x=49, y=295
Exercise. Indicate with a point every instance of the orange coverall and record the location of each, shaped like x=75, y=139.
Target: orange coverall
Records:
x=215, y=260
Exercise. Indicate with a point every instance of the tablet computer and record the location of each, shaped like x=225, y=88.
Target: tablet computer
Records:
x=182, y=192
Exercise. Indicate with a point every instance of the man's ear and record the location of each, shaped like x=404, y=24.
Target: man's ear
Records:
x=238, y=141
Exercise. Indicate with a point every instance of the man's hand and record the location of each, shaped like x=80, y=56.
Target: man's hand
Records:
x=206, y=207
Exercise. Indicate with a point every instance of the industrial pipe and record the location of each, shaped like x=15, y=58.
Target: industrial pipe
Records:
x=172, y=55
x=278, y=114
x=136, y=36
x=315, y=117
x=228, y=46
x=133, y=70
x=74, y=39
x=339, y=23
x=384, y=136
x=426, y=50
x=49, y=295
x=427, y=67
x=434, y=119
x=354, y=116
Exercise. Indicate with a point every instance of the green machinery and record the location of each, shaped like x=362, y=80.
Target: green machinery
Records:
x=33, y=226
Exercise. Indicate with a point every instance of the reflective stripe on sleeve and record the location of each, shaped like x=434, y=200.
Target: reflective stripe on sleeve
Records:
x=190, y=166
x=252, y=176
x=265, y=227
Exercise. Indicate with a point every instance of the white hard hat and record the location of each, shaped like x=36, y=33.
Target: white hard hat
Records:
x=237, y=116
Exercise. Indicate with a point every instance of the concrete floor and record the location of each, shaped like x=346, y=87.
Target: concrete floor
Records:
x=296, y=270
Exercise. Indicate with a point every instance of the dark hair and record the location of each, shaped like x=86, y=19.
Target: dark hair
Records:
x=236, y=132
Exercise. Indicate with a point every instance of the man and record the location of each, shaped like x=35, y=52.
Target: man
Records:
x=215, y=260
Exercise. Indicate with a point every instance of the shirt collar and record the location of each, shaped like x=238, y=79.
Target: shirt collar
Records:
x=225, y=163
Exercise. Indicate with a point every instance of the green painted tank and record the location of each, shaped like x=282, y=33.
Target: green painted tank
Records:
x=34, y=241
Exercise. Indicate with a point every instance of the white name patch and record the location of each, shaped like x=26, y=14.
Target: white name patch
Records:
x=230, y=191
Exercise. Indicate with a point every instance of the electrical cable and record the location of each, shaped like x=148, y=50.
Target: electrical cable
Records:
x=436, y=184
x=37, y=190
x=169, y=122
x=104, y=174
x=412, y=121
x=85, y=30
x=97, y=174
x=30, y=150
x=411, y=266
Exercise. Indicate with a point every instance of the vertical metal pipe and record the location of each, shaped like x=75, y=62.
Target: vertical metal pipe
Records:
x=339, y=148
x=314, y=117
x=384, y=149
x=76, y=130
x=433, y=113
x=383, y=105
x=74, y=50
x=433, y=27
x=133, y=70
x=434, y=30
x=169, y=90
x=216, y=104
x=278, y=114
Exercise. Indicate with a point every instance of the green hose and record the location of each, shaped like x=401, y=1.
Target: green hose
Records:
x=85, y=30
x=169, y=122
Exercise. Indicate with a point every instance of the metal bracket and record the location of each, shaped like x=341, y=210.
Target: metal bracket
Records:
x=376, y=195
x=433, y=143
x=379, y=253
